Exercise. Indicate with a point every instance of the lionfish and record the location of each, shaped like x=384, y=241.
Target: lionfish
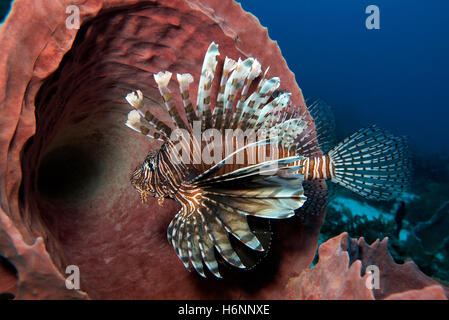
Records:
x=260, y=177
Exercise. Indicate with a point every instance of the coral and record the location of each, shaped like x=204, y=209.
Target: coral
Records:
x=340, y=274
x=333, y=277
x=430, y=176
x=433, y=233
x=38, y=276
x=358, y=218
x=427, y=244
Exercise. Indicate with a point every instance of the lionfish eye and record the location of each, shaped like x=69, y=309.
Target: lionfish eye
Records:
x=148, y=165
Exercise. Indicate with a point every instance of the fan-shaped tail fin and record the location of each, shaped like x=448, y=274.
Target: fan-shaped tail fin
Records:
x=372, y=163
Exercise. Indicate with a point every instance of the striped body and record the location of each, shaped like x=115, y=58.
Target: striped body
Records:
x=167, y=179
x=317, y=168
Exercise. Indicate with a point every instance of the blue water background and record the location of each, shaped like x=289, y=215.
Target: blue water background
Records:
x=396, y=77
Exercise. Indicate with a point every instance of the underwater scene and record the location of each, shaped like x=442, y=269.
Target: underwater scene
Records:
x=224, y=150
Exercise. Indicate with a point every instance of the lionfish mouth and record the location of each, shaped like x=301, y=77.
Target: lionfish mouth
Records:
x=144, y=196
x=67, y=177
x=142, y=187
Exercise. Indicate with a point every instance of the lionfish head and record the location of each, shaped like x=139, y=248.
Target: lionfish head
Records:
x=142, y=177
